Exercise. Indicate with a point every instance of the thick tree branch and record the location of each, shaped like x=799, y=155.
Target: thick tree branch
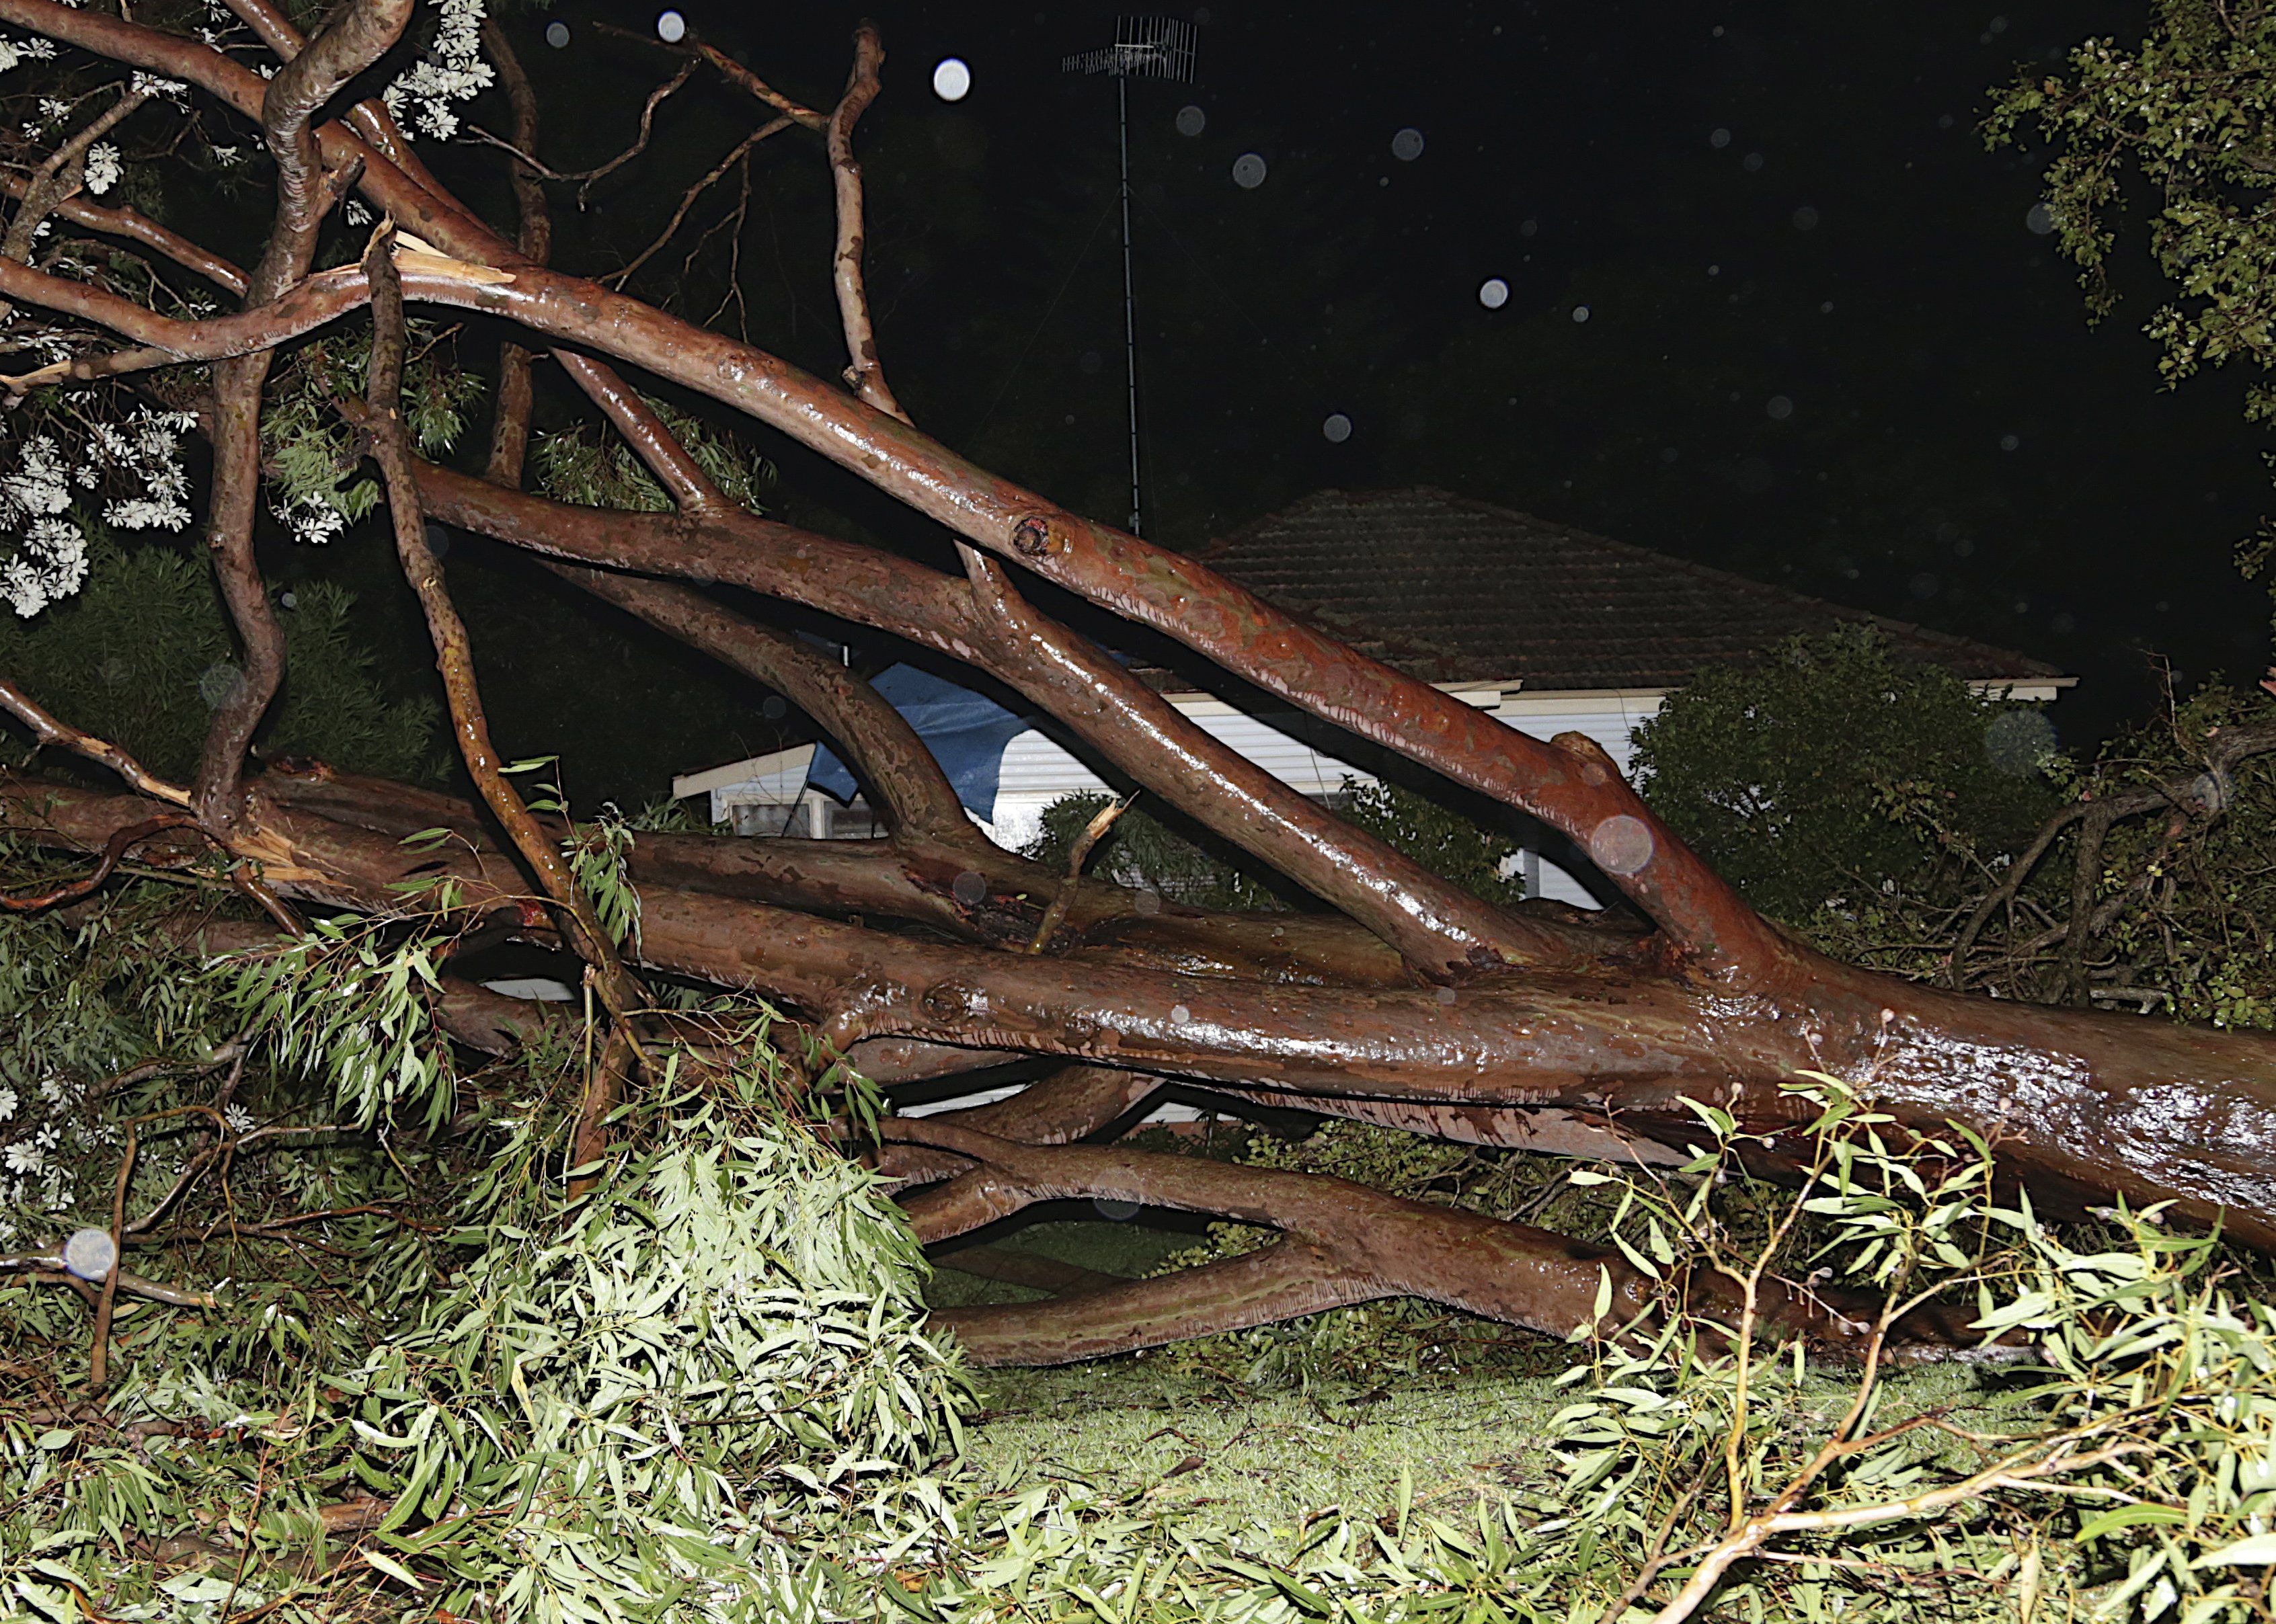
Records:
x=138, y=228
x=904, y=782
x=1439, y=927
x=510, y=422
x=2083, y=1105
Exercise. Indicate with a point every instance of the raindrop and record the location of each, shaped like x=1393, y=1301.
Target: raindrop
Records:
x=1337, y=428
x=2008, y=442
x=218, y=683
x=1445, y=995
x=1714, y=270
x=1248, y=171
x=951, y=79
x=1091, y=361
x=1407, y=146
x=1998, y=24
x=113, y=670
x=670, y=27
x=2040, y=218
x=1924, y=585
x=1527, y=228
x=1751, y=163
x=557, y=34
x=438, y=540
x=1180, y=1014
x=1620, y=844
x=969, y=888
x=1493, y=293
x=1825, y=309
x=1192, y=120
x=2063, y=624
x=1719, y=139
x=2018, y=742
x=288, y=599
x=774, y=708
x=89, y=1253
x=1148, y=903
x=1580, y=312
x=1943, y=121
x=1779, y=408
x=1116, y=1212
x=1805, y=218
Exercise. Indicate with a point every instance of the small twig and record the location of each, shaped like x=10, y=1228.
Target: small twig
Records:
x=687, y=200
x=1092, y=834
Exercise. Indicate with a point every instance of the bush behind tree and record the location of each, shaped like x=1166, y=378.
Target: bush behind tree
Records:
x=143, y=653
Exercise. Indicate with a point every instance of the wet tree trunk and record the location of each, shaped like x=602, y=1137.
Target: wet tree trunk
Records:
x=1408, y=1003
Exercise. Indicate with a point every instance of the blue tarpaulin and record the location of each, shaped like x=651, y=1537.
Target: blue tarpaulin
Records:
x=965, y=732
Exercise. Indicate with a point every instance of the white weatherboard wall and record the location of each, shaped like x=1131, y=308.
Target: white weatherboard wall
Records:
x=1038, y=771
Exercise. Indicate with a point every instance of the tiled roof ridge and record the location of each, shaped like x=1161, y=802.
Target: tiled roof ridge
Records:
x=2008, y=661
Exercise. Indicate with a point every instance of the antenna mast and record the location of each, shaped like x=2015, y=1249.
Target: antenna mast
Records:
x=1143, y=48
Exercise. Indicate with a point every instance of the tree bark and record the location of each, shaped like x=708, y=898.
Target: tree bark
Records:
x=1415, y=1005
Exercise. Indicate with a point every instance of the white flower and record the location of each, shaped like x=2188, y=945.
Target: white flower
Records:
x=452, y=70
x=103, y=168
x=7, y=1103
x=24, y=1157
x=311, y=519
x=237, y=1119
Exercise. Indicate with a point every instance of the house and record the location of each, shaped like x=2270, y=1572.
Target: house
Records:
x=1551, y=628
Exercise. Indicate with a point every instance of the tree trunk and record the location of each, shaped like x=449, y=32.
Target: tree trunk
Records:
x=1408, y=1003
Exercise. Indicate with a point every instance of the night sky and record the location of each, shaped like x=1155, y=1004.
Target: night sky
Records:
x=1821, y=344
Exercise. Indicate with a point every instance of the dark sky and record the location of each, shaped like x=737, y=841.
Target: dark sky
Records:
x=1821, y=344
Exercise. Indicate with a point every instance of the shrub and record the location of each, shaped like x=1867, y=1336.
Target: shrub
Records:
x=1835, y=779
x=144, y=652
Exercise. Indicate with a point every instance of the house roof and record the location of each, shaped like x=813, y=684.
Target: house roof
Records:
x=1451, y=591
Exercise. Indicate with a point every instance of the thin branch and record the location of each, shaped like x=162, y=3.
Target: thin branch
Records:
x=48, y=731
x=62, y=175
x=864, y=374
x=618, y=278
x=620, y=994
x=524, y=141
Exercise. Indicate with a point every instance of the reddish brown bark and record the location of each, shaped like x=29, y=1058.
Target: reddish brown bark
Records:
x=1422, y=1007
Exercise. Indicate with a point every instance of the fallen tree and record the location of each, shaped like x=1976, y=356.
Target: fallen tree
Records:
x=1405, y=1000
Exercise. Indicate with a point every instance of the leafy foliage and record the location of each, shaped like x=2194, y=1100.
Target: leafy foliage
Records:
x=145, y=651
x=595, y=469
x=313, y=460
x=1834, y=778
x=2187, y=109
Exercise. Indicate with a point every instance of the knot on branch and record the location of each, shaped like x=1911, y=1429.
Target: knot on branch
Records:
x=1032, y=538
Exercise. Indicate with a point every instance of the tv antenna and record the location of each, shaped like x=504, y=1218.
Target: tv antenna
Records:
x=1143, y=48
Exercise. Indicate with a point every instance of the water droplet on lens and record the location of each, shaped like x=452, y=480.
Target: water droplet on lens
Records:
x=1148, y=903
x=1493, y=293
x=1116, y=1212
x=1620, y=844
x=218, y=683
x=557, y=33
x=1445, y=995
x=1407, y=146
x=951, y=79
x=670, y=27
x=1580, y=312
x=1338, y=428
x=1248, y=171
x=1779, y=408
x=969, y=888
x=1180, y=1014
x=2040, y=219
x=1192, y=121
x=89, y=1253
